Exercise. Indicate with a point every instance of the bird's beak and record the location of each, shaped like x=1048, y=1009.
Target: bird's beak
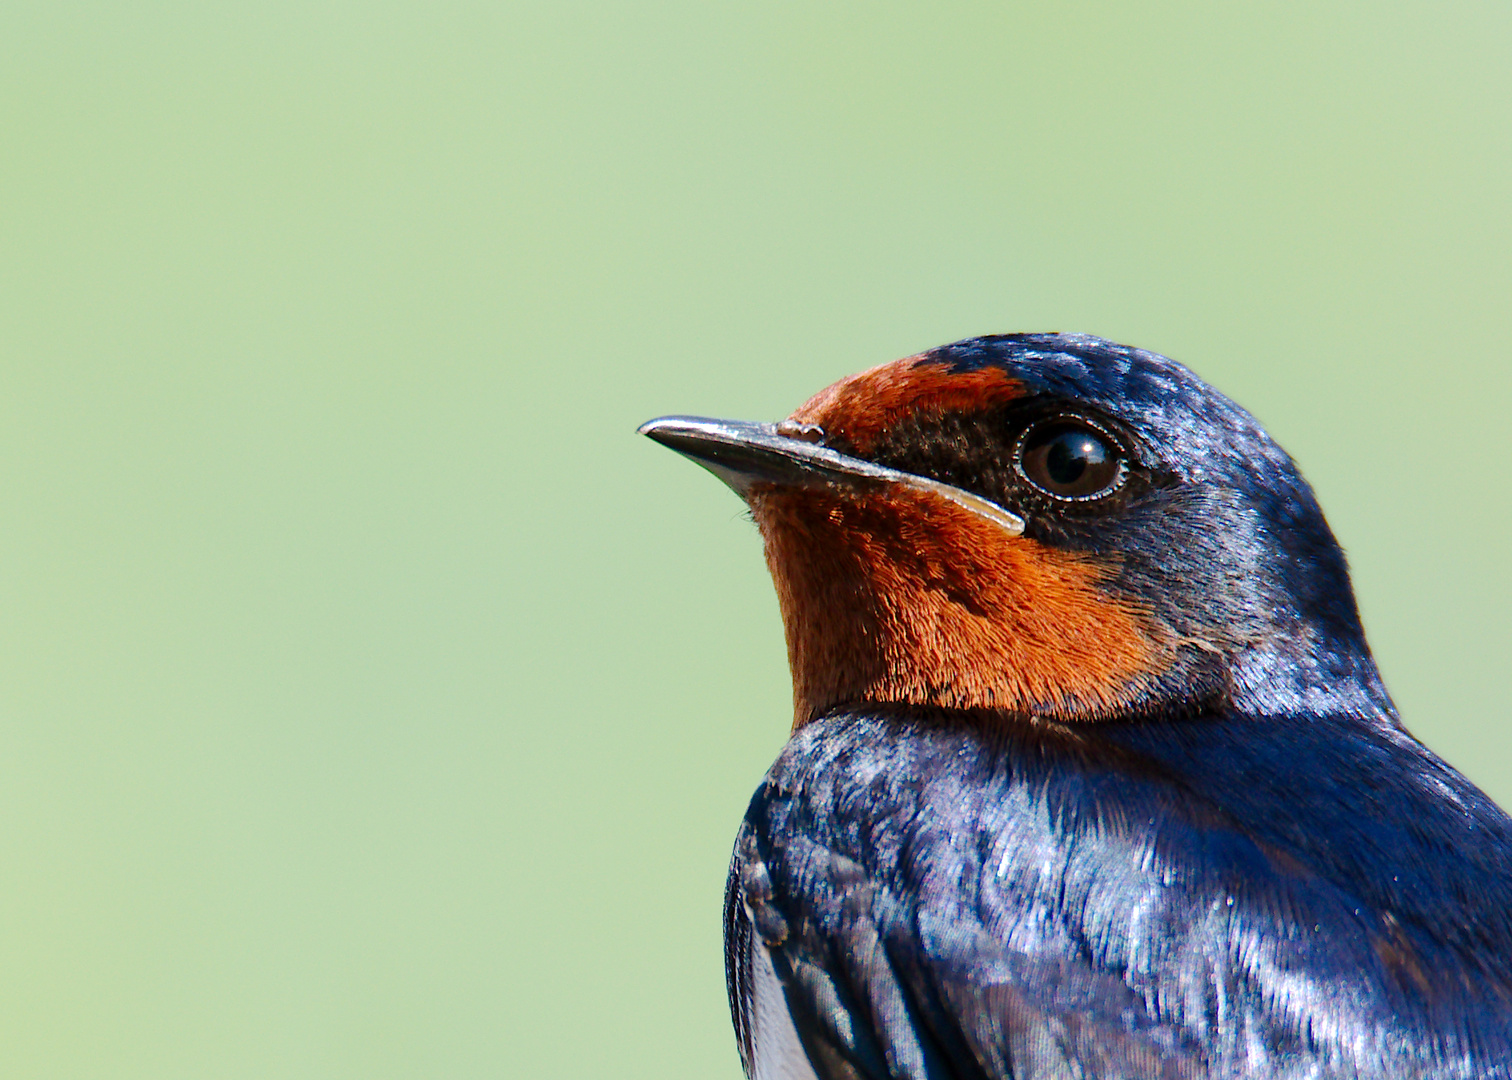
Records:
x=744, y=454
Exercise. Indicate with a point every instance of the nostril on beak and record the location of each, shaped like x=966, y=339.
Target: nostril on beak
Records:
x=797, y=429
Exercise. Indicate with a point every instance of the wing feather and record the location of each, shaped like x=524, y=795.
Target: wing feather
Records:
x=931, y=906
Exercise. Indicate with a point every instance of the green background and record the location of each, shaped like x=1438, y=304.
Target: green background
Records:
x=373, y=703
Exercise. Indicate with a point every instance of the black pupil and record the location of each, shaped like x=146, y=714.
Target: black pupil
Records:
x=1071, y=453
x=1071, y=460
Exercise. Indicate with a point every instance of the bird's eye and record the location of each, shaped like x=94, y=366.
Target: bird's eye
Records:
x=1071, y=459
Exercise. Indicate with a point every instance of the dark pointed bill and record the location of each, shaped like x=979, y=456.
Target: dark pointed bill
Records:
x=743, y=454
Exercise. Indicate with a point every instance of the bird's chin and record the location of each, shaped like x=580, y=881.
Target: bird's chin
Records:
x=900, y=595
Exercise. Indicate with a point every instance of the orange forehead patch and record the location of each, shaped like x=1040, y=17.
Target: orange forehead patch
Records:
x=860, y=407
x=901, y=596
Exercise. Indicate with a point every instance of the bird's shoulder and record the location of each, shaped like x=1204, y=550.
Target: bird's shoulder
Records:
x=937, y=902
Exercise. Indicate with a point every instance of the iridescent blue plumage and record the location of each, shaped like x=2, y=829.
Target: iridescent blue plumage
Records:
x=1226, y=897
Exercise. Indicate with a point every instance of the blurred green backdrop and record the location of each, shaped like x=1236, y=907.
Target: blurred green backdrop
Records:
x=373, y=703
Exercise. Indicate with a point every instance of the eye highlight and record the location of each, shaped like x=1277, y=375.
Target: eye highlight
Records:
x=1071, y=459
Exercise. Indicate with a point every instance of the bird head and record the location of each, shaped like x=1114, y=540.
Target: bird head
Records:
x=1042, y=526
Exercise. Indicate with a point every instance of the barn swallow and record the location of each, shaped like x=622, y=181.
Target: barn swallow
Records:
x=1092, y=773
